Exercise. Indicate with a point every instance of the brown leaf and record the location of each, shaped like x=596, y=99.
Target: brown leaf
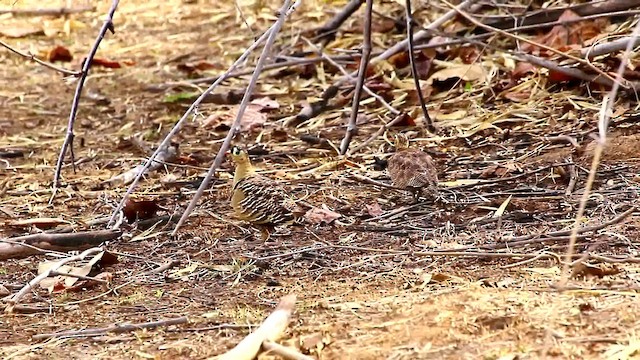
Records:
x=59, y=53
x=140, y=210
x=374, y=209
x=195, y=67
x=252, y=118
x=321, y=215
x=567, y=37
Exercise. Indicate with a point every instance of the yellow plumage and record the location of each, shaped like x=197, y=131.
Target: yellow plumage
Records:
x=255, y=198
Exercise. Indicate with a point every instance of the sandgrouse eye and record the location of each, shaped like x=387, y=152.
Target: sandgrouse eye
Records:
x=258, y=199
x=412, y=169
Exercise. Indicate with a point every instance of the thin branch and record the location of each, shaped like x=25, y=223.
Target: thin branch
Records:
x=68, y=140
x=362, y=75
x=116, y=329
x=33, y=58
x=285, y=11
x=414, y=68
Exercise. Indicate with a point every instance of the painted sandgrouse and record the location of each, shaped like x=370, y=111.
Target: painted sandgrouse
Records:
x=258, y=199
x=412, y=169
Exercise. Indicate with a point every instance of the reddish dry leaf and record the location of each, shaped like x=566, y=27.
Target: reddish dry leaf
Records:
x=568, y=36
x=321, y=215
x=252, y=118
x=374, y=209
x=140, y=210
x=195, y=67
x=522, y=69
x=266, y=103
x=469, y=54
x=557, y=76
x=109, y=64
x=59, y=53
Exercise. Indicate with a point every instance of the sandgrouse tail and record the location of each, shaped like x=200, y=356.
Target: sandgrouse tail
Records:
x=412, y=169
x=258, y=199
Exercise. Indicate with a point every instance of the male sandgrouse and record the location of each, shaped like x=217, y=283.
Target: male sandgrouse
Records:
x=258, y=199
x=412, y=169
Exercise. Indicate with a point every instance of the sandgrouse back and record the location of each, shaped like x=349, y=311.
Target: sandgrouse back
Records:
x=412, y=169
x=258, y=199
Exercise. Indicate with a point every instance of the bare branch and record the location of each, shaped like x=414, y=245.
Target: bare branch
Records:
x=362, y=75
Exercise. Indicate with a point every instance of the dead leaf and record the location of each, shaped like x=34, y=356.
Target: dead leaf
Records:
x=252, y=118
x=567, y=37
x=473, y=72
x=140, y=210
x=196, y=67
x=59, y=53
x=374, y=209
x=321, y=215
x=266, y=103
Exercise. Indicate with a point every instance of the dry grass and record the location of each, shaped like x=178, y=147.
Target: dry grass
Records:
x=353, y=303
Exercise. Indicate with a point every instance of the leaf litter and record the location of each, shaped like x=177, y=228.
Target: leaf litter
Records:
x=494, y=114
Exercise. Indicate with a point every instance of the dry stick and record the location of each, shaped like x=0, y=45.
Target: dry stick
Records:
x=603, y=124
x=520, y=38
x=15, y=298
x=46, y=242
x=288, y=353
x=414, y=68
x=606, y=48
x=32, y=57
x=362, y=74
x=184, y=117
x=285, y=11
x=116, y=329
x=271, y=329
x=572, y=72
x=68, y=140
x=334, y=23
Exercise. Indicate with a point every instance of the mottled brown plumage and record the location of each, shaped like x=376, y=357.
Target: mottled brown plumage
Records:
x=412, y=169
x=258, y=199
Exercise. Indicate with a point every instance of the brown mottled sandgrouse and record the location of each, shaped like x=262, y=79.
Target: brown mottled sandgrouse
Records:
x=258, y=199
x=412, y=169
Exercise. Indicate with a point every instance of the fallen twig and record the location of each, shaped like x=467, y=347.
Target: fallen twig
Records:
x=271, y=329
x=39, y=243
x=116, y=329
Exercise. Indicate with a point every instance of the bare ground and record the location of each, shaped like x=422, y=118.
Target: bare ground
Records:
x=357, y=299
